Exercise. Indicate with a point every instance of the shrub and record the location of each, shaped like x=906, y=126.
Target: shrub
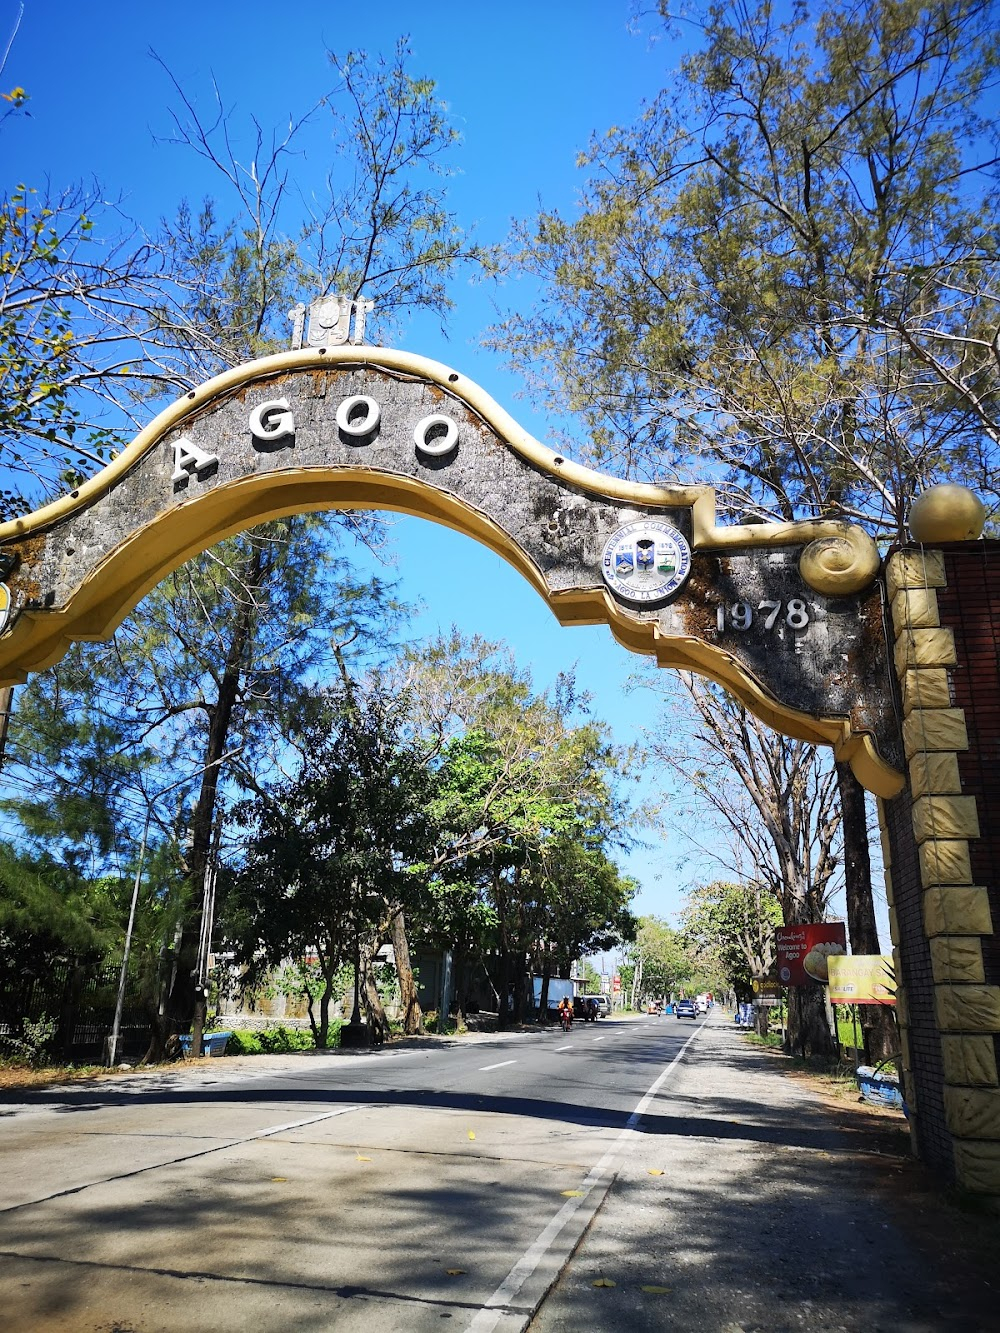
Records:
x=243, y=1043
x=280, y=1040
x=34, y=1046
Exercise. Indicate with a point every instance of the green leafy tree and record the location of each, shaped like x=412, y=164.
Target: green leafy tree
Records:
x=581, y=902
x=328, y=852
x=784, y=274
x=657, y=963
x=57, y=927
x=730, y=927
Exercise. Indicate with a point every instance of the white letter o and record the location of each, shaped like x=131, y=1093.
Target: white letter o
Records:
x=364, y=425
x=439, y=447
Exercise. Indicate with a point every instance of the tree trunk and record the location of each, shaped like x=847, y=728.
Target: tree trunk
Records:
x=413, y=1018
x=180, y=1005
x=520, y=971
x=808, y=1028
x=6, y=708
x=322, y=1037
x=371, y=998
x=69, y=1009
x=877, y=1024
x=636, y=980
x=459, y=970
x=506, y=989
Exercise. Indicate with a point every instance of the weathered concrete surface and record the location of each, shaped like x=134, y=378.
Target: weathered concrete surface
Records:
x=827, y=659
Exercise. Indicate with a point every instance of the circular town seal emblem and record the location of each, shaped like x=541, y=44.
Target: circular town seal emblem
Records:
x=646, y=561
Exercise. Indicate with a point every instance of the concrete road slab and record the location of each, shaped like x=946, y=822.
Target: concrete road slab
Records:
x=342, y=1205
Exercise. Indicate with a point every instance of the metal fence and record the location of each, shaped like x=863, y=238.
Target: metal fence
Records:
x=80, y=1003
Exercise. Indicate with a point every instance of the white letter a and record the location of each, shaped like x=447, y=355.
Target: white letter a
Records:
x=189, y=458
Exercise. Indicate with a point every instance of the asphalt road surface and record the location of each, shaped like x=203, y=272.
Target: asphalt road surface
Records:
x=643, y=1174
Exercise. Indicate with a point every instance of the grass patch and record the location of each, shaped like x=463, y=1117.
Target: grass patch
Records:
x=772, y=1040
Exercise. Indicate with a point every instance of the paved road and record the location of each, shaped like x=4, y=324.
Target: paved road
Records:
x=386, y=1190
x=662, y=1160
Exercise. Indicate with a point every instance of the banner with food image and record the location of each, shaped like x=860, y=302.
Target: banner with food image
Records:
x=804, y=952
x=862, y=978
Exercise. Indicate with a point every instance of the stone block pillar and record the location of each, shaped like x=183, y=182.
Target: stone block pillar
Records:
x=941, y=841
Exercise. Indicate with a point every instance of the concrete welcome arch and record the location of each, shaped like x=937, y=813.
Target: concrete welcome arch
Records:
x=896, y=669
x=788, y=617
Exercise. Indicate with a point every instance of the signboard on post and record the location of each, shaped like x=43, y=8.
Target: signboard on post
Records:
x=862, y=979
x=804, y=952
x=766, y=991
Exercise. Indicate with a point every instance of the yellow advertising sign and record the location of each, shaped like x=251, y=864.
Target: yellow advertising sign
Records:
x=862, y=979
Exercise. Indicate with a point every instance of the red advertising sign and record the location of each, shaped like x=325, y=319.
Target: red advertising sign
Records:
x=616, y=983
x=803, y=952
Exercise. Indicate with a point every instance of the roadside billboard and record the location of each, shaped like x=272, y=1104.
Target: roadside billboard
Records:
x=862, y=978
x=804, y=951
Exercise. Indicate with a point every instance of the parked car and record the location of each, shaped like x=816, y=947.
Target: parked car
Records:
x=584, y=1007
x=685, y=1009
x=603, y=1005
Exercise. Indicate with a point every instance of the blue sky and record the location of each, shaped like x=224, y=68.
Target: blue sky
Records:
x=526, y=83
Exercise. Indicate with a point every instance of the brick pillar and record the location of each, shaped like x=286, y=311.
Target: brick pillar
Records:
x=942, y=875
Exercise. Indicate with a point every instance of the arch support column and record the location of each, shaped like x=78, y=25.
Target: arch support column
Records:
x=941, y=844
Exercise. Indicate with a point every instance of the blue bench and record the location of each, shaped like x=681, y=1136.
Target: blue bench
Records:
x=212, y=1043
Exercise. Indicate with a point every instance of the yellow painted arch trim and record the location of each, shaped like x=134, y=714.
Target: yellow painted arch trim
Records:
x=139, y=563
x=841, y=559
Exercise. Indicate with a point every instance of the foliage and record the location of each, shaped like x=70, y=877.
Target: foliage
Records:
x=244, y=1042
x=657, y=962
x=328, y=852
x=50, y=914
x=282, y=1039
x=34, y=1046
x=525, y=813
x=102, y=317
x=277, y=1040
x=783, y=276
x=730, y=927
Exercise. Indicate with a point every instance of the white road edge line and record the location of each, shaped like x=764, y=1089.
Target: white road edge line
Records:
x=567, y=1047
x=296, y=1124
x=495, y=1307
x=485, y=1068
